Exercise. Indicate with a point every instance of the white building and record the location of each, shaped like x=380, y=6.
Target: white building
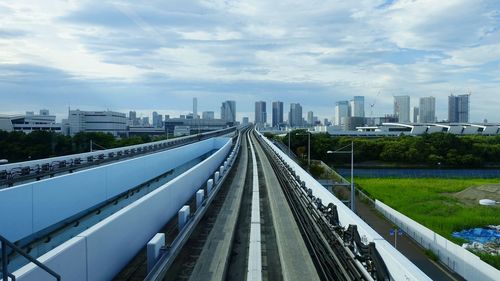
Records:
x=402, y=108
x=30, y=122
x=111, y=122
x=427, y=110
x=341, y=112
x=358, y=106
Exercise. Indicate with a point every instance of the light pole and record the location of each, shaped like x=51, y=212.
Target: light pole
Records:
x=308, y=149
x=341, y=151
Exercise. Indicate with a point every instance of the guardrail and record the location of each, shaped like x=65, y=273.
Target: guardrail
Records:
x=5, y=244
x=37, y=169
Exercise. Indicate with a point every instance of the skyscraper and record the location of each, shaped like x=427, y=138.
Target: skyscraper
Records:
x=260, y=113
x=277, y=113
x=228, y=111
x=157, y=120
x=415, y=114
x=195, y=108
x=358, y=106
x=310, y=118
x=458, y=109
x=295, y=115
x=427, y=110
x=341, y=112
x=402, y=108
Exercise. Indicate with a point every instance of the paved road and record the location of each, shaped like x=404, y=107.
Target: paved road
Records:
x=404, y=244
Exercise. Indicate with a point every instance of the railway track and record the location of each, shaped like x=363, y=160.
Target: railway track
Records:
x=243, y=236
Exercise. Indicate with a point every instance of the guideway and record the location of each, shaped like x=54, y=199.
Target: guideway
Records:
x=213, y=261
x=295, y=260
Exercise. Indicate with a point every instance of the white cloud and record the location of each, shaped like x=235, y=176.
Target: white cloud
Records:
x=343, y=48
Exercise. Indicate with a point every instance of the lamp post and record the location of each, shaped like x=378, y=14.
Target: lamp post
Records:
x=308, y=149
x=341, y=151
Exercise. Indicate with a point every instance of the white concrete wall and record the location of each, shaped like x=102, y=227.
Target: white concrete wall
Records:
x=35, y=206
x=104, y=249
x=458, y=259
x=399, y=266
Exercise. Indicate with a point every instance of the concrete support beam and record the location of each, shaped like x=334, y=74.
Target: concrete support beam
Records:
x=216, y=177
x=210, y=185
x=200, y=195
x=153, y=249
x=183, y=216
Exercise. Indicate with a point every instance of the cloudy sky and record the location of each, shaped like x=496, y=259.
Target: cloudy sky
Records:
x=158, y=55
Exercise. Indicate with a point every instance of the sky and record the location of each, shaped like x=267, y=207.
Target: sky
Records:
x=158, y=55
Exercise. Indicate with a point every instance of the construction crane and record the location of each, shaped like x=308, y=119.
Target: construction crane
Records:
x=373, y=104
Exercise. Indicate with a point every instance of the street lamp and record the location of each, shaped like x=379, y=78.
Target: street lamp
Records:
x=308, y=148
x=341, y=151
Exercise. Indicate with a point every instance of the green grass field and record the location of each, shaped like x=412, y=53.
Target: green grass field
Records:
x=430, y=202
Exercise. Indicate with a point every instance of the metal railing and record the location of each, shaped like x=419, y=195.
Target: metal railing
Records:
x=5, y=271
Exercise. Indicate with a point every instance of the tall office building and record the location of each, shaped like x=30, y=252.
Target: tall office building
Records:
x=415, y=114
x=341, y=112
x=310, y=118
x=358, y=106
x=157, y=120
x=260, y=113
x=402, y=108
x=427, y=110
x=195, y=108
x=295, y=115
x=277, y=113
x=132, y=117
x=228, y=111
x=458, y=109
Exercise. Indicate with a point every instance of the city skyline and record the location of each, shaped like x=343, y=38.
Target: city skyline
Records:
x=156, y=57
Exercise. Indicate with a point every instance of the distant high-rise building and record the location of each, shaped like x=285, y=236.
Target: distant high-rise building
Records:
x=415, y=114
x=145, y=121
x=427, y=110
x=260, y=113
x=132, y=117
x=244, y=121
x=295, y=115
x=208, y=115
x=341, y=112
x=310, y=118
x=458, y=109
x=228, y=111
x=277, y=113
x=358, y=106
x=402, y=108
x=157, y=120
x=195, y=108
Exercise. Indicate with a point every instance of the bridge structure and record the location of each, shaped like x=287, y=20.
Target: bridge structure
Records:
x=224, y=205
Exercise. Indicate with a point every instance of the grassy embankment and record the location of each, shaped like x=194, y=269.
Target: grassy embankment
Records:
x=431, y=203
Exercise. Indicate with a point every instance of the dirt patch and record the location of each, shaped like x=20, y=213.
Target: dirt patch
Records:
x=473, y=194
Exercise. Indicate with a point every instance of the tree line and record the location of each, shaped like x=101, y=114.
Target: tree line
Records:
x=19, y=146
x=432, y=150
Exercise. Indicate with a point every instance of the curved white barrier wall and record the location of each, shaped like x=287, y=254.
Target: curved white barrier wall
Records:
x=100, y=252
x=31, y=207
